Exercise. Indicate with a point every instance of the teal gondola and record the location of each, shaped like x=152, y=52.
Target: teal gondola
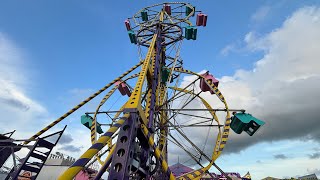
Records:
x=190, y=33
x=245, y=122
x=86, y=120
x=164, y=74
x=132, y=36
x=144, y=15
x=189, y=10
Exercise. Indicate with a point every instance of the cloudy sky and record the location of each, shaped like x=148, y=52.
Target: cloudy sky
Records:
x=265, y=54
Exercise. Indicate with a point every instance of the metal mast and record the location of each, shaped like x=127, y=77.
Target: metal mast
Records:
x=136, y=144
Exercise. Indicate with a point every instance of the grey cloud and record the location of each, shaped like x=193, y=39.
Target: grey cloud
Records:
x=14, y=103
x=314, y=171
x=65, y=139
x=280, y=156
x=290, y=116
x=16, y=106
x=70, y=148
x=282, y=89
x=65, y=143
x=314, y=155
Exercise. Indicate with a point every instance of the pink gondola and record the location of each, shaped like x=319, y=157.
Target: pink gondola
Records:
x=203, y=85
x=126, y=89
x=123, y=88
x=204, y=22
x=202, y=19
x=127, y=23
x=167, y=8
x=199, y=19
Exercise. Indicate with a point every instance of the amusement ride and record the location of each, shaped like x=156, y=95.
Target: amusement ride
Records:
x=131, y=142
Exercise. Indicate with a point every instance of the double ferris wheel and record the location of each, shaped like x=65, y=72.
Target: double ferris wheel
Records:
x=161, y=114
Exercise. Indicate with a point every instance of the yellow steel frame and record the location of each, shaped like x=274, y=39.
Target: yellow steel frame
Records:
x=81, y=104
x=134, y=103
x=220, y=143
x=75, y=168
x=163, y=120
x=109, y=143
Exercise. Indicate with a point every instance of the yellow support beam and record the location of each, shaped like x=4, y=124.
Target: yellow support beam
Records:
x=157, y=152
x=220, y=143
x=109, y=143
x=94, y=122
x=81, y=104
x=149, y=92
x=77, y=166
x=163, y=121
x=135, y=98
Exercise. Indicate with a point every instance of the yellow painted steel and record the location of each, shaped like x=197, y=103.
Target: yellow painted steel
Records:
x=135, y=98
x=99, y=159
x=81, y=104
x=151, y=68
x=149, y=92
x=163, y=121
x=109, y=155
x=223, y=138
x=130, y=77
x=186, y=19
x=134, y=102
x=213, y=114
x=161, y=16
x=72, y=171
x=148, y=102
x=94, y=121
x=157, y=152
x=205, y=103
x=170, y=19
x=109, y=143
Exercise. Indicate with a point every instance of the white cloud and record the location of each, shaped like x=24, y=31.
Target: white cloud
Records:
x=15, y=105
x=261, y=14
x=20, y=112
x=283, y=87
x=280, y=168
x=226, y=50
x=314, y=171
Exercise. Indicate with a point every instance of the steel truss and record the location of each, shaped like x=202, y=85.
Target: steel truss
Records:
x=140, y=130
